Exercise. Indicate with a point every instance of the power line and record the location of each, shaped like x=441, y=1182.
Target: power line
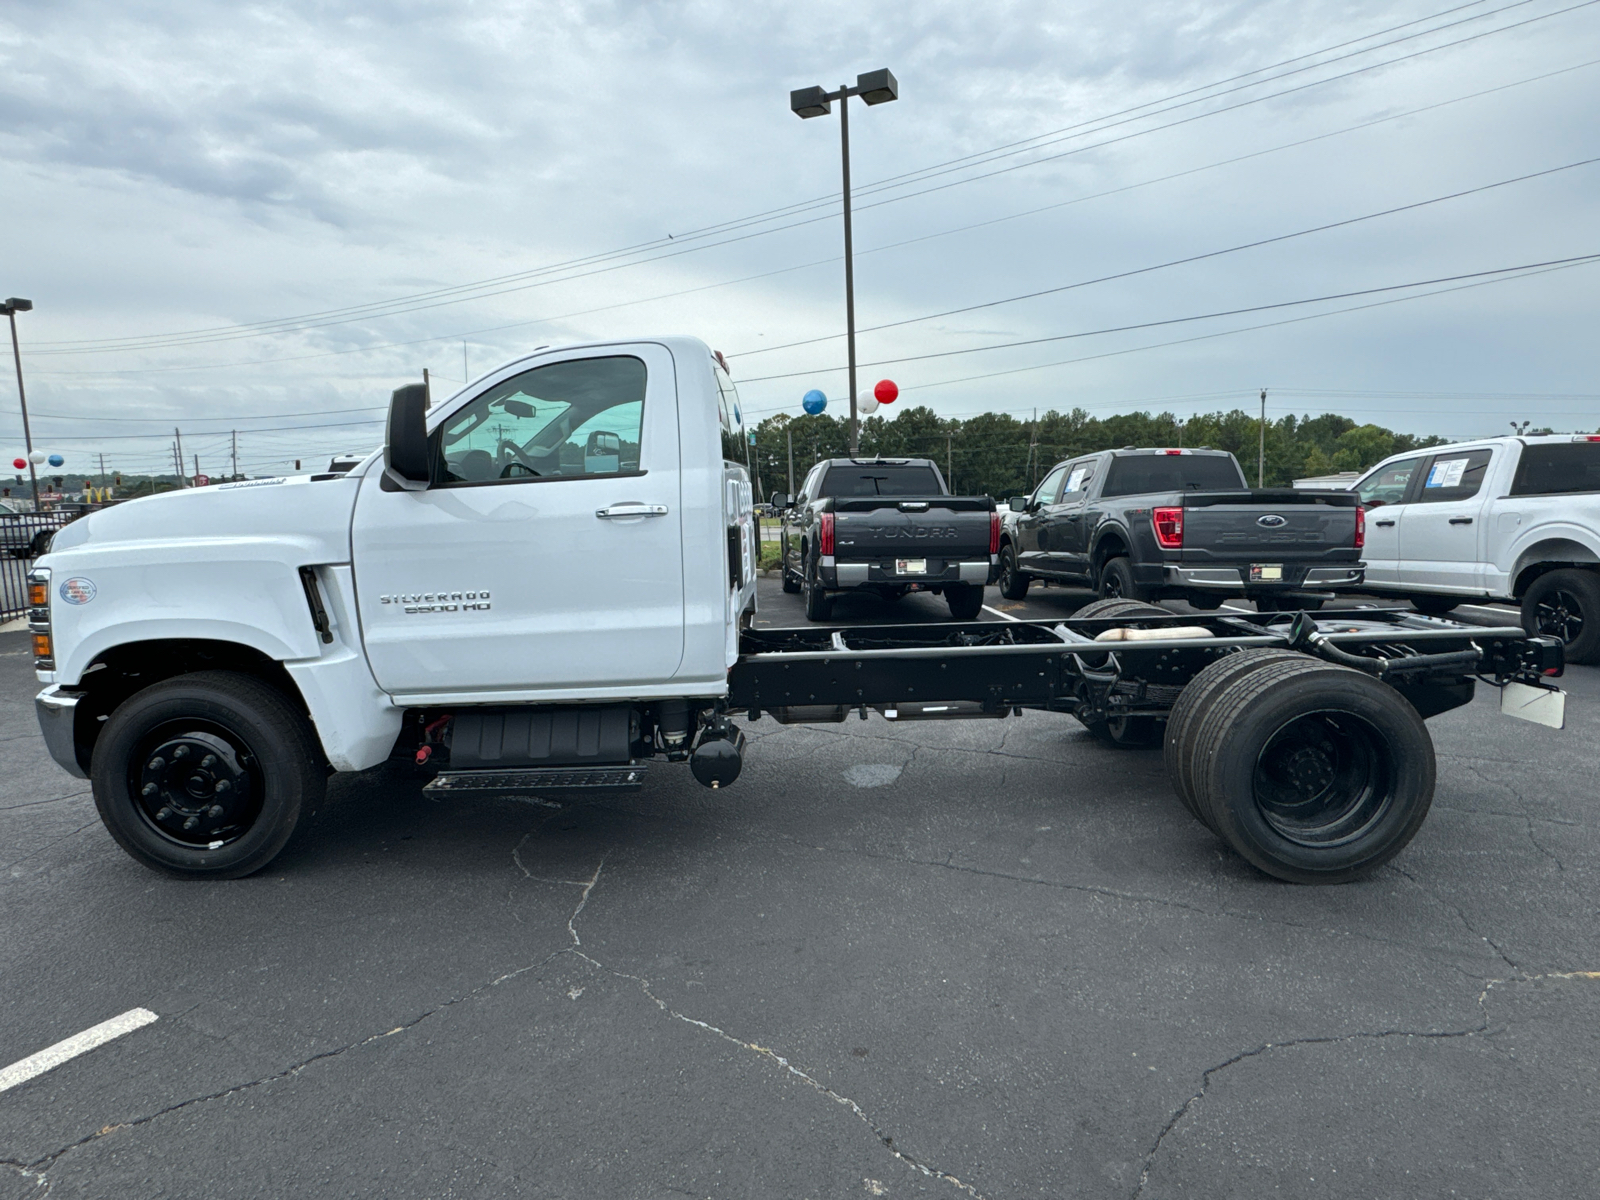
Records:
x=412, y=303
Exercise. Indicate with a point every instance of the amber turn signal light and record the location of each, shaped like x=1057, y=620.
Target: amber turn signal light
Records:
x=41, y=646
x=38, y=594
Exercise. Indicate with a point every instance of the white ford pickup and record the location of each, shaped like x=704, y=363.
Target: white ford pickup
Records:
x=543, y=585
x=1512, y=518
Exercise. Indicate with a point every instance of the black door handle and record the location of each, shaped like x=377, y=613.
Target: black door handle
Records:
x=1384, y=524
x=1461, y=520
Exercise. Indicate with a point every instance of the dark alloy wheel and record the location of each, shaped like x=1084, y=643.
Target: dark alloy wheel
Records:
x=1566, y=604
x=206, y=776
x=1013, y=583
x=1117, y=581
x=1314, y=773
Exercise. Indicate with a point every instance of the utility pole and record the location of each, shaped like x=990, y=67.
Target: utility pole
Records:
x=197, y=470
x=177, y=441
x=427, y=388
x=11, y=308
x=949, y=460
x=177, y=466
x=789, y=433
x=1261, y=454
x=466, y=375
x=102, y=471
x=235, y=454
x=1033, y=441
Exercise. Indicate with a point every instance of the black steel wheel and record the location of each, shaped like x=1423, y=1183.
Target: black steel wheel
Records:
x=1013, y=583
x=1566, y=604
x=1183, y=722
x=1313, y=773
x=206, y=776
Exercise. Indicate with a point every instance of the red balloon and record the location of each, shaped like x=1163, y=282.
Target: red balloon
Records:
x=886, y=391
x=19, y=463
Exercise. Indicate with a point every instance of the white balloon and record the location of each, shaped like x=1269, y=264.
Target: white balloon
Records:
x=36, y=457
x=866, y=403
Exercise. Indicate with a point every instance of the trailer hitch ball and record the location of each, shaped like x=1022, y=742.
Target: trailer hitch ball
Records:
x=716, y=762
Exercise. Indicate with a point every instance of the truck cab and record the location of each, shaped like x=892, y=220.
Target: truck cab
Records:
x=573, y=529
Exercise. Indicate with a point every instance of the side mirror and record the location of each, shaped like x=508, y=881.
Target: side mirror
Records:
x=405, y=445
x=779, y=500
x=1018, y=504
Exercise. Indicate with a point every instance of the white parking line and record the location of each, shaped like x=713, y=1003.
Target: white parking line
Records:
x=1001, y=615
x=79, y=1043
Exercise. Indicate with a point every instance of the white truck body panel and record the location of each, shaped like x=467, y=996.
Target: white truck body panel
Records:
x=1478, y=547
x=582, y=608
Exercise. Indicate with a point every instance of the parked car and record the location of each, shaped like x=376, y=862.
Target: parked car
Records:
x=1149, y=524
x=27, y=534
x=888, y=526
x=1514, y=519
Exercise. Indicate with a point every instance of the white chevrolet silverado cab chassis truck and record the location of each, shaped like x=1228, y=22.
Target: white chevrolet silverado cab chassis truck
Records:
x=545, y=583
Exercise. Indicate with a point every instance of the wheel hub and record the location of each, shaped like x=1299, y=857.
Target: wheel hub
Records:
x=196, y=788
x=1310, y=770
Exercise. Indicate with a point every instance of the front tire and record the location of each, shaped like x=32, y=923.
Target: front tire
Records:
x=1566, y=604
x=207, y=775
x=1013, y=583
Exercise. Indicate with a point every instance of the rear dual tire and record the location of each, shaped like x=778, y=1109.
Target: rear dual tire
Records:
x=1314, y=773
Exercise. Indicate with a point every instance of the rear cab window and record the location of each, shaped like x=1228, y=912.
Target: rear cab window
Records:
x=880, y=479
x=1556, y=469
x=1136, y=474
x=1456, y=476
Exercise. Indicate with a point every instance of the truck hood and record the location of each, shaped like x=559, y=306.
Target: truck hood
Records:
x=309, y=517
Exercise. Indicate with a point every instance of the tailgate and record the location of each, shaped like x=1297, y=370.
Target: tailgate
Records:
x=944, y=527
x=1269, y=526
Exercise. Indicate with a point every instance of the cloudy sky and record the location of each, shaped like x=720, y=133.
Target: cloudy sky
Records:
x=265, y=217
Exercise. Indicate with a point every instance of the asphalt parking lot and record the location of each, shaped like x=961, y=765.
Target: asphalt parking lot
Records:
x=986, y=959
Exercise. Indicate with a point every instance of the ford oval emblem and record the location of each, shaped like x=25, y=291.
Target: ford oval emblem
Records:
x=1272, y=520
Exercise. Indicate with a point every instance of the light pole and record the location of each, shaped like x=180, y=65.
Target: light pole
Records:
x=875, y=87
x=11, y=308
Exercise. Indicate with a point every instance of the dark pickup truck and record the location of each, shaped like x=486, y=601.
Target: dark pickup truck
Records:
x=1149, y=524
x=888, y=526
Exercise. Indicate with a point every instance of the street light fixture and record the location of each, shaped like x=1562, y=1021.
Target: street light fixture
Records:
x=874, y=87
x=11, y=308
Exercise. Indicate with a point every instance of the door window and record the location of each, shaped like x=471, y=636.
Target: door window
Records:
x=1387, y=485
x=1078, y=476
x=564, y=420
x=1454, y=477
x=1051, y=487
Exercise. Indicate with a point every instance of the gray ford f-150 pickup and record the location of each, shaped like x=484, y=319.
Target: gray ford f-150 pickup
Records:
x=888, y=526
x=1149, y=524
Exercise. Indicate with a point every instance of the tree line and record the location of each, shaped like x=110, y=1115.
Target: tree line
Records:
x=996, y=454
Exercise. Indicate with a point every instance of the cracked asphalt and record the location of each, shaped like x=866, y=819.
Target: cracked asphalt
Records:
x=941, y=959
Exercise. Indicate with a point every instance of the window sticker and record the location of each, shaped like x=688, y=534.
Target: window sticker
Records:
x=1446, y=473
x=1075, y=480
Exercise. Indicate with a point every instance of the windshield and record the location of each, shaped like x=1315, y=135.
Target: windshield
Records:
x=881, y=479
x=1139, y=473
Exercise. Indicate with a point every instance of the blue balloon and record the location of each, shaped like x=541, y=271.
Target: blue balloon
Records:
x=56, y=460
x=813, y=402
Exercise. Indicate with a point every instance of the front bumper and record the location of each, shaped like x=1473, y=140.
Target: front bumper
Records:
x=58, y=714
x=1232, y=578
x=836, y=574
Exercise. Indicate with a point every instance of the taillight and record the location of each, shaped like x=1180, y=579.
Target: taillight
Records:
x=825, y=535
x=1361, y=527
x=1168, y=524
x=994, y=533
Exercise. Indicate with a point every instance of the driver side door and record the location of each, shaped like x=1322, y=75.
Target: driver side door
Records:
x=546, y=555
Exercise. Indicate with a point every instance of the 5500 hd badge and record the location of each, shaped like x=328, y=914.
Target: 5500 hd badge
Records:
x=432, y=602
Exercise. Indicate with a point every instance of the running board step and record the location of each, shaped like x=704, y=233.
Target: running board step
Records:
x=627, y=778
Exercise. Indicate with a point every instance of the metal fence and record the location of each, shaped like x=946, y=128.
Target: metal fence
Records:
x=23, y=538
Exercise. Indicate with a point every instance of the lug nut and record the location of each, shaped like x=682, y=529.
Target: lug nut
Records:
x=214, y=812
x=157, y=763
x=163, y=814
x=191, y=823
x=180, y=752
x=149, y=789
x=223, y=785
x=209, y=760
